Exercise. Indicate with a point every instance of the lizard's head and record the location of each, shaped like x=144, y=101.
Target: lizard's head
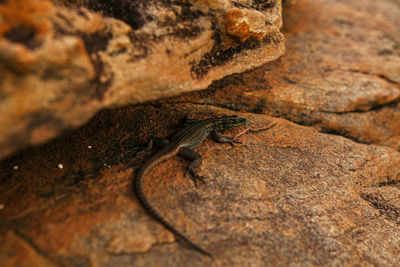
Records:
x=232, y=121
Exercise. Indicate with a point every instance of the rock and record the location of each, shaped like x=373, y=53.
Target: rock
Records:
x=287, y=194
x=15, y=251
x=60, y=65
x=341, y=72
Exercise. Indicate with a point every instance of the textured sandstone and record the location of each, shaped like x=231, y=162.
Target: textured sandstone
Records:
x=60, y=65
x=286, y=195
x=341, y=72
x=16, y=251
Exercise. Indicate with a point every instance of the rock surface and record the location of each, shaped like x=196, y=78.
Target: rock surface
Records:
x=341, y=72
x=287, y=194
x=59, y=65
x=310, y=194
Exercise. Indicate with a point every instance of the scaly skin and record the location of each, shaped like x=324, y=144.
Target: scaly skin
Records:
x=182, y=143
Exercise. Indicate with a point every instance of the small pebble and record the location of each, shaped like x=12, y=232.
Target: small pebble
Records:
x=89, y=147
x=16, y=167
x=60, y=166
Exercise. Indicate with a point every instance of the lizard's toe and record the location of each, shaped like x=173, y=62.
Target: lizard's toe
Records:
x=200, y=178
x=195, y=177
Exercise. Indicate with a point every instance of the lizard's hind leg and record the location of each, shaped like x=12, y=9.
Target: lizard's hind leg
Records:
x=195, y=157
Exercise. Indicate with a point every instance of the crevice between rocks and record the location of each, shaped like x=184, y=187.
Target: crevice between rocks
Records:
x=391, y=212
x=381, y=76
x=341, y=134
x=224, y=106
x=375, y=107
x=390, y=182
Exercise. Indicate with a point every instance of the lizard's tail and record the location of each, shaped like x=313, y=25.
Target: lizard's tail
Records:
x=151, y=210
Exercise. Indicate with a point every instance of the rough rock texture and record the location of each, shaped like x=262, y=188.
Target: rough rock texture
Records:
x=341, y=72
x=287, y=194
x=310, y=194
x=59, y=65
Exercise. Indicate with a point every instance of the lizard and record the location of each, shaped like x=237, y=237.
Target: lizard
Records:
x=183, y=143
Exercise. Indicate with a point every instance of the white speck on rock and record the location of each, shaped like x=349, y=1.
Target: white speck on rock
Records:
x=89, y=147
x=16, y=167
x=60, y=166
x=1, y=206
x=106, y=165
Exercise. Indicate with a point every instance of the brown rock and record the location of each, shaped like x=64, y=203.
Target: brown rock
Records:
x=16, y=251
x=341, y=72
x=60, y=65
x=288, y=194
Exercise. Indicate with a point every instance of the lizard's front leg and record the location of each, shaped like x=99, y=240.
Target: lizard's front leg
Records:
x=222, y=139
x=195, y=157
